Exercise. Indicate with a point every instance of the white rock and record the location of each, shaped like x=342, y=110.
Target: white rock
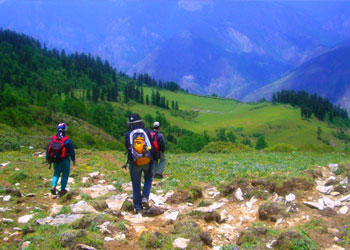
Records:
x=94, y=174
x=270, y=244
x=120, y=237
x=17, y=169
x=345, y=181
x=335, y=247
x=6, y=220
x=4, y=209
x=223, y=216
x=17, y=184
x=168, y=194
x=82, y=207
x=214, y=206
x=328, y=202
x=333, y=167
x=97, y=190
x=171, y=215
x=335, y=193
x=115, y=202
x=31, y=147
x=5, y=164
x=108, y=238
x=6, y=198
x=56, y=209
x=44, y=221
x=158, y=200
x=210, y=228
x=325, y=189
x=71, y=180
x=344, y=210
x=181, y=243
x=239, y=194
x=127, y=187
x=290, y=197
x=111, y=188
x=314, y=205
x=104, y=228
x=345, y=198
x=31, y=195
x=101, y=182
x=84, y=179
x=65, y=219
x=25, y=218
x=160, y=191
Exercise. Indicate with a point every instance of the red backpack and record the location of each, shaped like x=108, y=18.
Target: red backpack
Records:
x=57, y=150
x=156, y=154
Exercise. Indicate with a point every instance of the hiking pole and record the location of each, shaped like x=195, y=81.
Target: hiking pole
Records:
x=127, y=161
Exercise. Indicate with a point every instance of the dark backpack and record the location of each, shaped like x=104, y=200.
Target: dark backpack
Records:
x=156, y=154
x=57, y=150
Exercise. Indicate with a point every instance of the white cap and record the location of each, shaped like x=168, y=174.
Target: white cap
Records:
x=156, y=125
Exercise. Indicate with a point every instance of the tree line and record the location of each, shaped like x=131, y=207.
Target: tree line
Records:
x=312, y=104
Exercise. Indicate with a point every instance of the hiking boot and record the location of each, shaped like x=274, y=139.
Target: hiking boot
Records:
x=145, y=204
x=62, y=192
x=138, y=211
x=158, y=176
x=53, y=191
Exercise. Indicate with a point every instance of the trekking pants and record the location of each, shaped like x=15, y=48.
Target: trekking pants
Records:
x=64, y=168
x=159, y=164
x=135, y=174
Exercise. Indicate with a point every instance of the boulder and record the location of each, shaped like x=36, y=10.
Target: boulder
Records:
x=65, y=219
x=344, y=210
x=82, y=207
x=25, y=219
x=44, y=221
x=115, y=202
x=84, y=247
x=181, y=243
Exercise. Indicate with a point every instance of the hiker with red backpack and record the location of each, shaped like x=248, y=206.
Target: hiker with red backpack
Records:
x=59, y=152
x=139, y=145
x=159, y=148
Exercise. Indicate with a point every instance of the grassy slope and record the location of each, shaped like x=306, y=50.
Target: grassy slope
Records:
x=279, y=123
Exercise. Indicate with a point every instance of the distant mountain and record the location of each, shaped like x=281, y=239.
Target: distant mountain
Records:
x=227, y=47
x=328, y=75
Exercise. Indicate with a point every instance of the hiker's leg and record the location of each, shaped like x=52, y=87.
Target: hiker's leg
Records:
x=65, y=173
x=135, y=174
x=56, y=174
x=148, y=174
x=161, y=164
x=155, y=166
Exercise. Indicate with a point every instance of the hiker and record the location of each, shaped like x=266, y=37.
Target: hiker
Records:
x=159, y=148
x=59, y=152
x=139, y=146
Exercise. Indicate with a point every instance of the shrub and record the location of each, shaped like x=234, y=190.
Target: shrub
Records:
x=316, y=149
x=282, y=147
x=261, y=143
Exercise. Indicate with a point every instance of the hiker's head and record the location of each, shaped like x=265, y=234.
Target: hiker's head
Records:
x=61, y=130
x=156, y=125
x=135, y=121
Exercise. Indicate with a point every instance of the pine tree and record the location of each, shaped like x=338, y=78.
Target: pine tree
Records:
x=157, y=98
x=88, y=95
x=95, y=93
x=141, y=96
x=153, y=98
x=167, y=104
x=172, y=104
x=261, y=143
x=176, y=105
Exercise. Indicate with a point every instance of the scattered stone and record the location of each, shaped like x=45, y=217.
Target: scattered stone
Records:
x=250, y=203
x=84, y=179
x=153, y=211
x=65, y=219
x=290, y=197
x=84, y=247
x=44, y=221
x=7, y=220
x=17, y=184
x=324, y=189
x=345, y=181
x=127, y=187
x=314, y=205
x=4, y=164
x=335, y=247
x=108, y=238
x=94, y=175
x=31, y=195
x=56, y=209
x=158, y=200
x=70, y=180
x=328, y=202
x=17, y=229
x=331, y=181
x=101, y=182
x=160, y=191
x=5, y=239
x=239, y=194
x=181, y=243
x=333, y=167
x=67, y=238
x=335, y=193
x=97, y=190
x=168, y=194
x=115, y=202
x=25, y=218
x=6, y=198
x=345, y=198
x=25, y=245
x=211, y=208
x=82, y=207
x=31, y=147
x=17, y=169
x=344, y=210
x=104, y=228
x=333, y=231
x=171, y=215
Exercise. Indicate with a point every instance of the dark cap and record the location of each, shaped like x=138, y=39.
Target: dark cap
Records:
x=134, y=118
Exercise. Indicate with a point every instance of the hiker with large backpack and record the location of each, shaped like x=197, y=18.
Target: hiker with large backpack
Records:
x=139, y=146
x=159, y=148
x=59, y=152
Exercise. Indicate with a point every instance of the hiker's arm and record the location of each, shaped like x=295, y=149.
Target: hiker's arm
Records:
x=47, y=149
x=161, y=143
x=70, y=149
x=126, y=142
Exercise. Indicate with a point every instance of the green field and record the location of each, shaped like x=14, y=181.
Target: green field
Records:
x=279, y=123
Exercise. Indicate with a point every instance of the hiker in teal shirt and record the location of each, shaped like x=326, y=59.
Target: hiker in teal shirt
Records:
x=66, y=153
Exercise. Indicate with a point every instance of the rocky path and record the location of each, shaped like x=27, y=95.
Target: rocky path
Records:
x=198, y=217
